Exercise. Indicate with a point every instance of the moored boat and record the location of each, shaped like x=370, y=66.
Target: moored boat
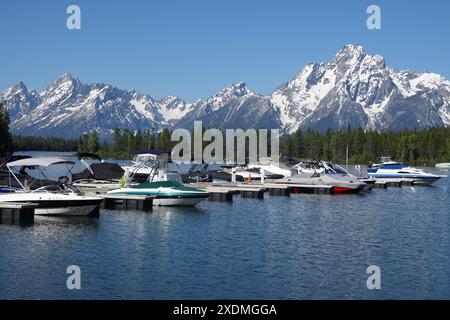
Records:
x=165, y=193
x=389, y=170
x=61, y=199
x=166, y=187
x=338, y=183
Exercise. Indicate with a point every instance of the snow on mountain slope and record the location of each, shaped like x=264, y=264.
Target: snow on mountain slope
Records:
x=222, y=109
x=354, y=89
x=359, y=90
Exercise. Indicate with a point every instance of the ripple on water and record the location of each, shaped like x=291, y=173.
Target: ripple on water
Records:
x=305, y=246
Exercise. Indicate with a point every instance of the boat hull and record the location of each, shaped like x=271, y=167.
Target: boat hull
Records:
x=415, y=179
x=338, y=184
x=175, y=202
x=166, y=196
x=168, y=199
x=347, y=190
x=76, y=211
x=57, y=205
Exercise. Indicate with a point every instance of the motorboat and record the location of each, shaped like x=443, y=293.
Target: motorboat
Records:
x=98, y=174
x=165, y=193
x=318, y=172
x=389, y=170
x=61, y=199
x=143, y=162
x=100, y=171
x=272, y=169
x=222, y=175
x=202, y=173
x=328, y=167
x=338, y=183
x=248, y=172
x=166, y=187
x=197, y=173
x=445, y=165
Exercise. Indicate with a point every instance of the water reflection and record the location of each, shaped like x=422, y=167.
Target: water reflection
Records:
x=76, y=221
x=302, y=246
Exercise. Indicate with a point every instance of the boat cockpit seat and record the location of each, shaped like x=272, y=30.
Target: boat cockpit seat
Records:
x=63, y=181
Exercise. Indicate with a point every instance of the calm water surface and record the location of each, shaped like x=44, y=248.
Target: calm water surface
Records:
x=303, y=246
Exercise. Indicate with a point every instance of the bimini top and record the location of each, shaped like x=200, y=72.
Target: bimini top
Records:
x=156, y=152
x=39, y=162
x=90, y=155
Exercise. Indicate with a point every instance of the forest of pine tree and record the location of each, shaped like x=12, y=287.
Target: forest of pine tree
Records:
x=410, y=146
x=415, y=147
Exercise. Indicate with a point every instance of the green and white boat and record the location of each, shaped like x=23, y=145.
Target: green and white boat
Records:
x=166, y=193
x=166, y=187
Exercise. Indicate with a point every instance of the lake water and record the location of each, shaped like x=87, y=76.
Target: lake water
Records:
x=298, y=247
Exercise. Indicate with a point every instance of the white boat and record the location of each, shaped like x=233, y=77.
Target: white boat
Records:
x=445, y=165
x=389, y=170
x=61, y=199
x=268, y=166
x=166, y=187
x=250, y=172
x=143, y=162
x=328, y=167
x=338, y=183
x=166, y=193
x=320, y=167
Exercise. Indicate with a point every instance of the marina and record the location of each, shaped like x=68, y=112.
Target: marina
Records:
x=224, y=237
x=225, y=158
x=101, y=185
x=305, y=246
x=259, y=236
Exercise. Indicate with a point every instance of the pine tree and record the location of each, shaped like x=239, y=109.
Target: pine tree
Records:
x=92, y=142
x=164, y=140
x=6, y=143
x=116, y=141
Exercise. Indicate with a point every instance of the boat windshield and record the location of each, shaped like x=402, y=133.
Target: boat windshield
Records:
x=61, y=188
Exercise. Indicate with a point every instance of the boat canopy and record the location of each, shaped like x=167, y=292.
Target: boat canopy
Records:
x=90, y=155
x=156, y=152
x=39, y=162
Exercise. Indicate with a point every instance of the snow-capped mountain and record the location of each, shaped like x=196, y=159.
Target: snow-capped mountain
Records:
x=236, y=106
x=70, y=108
x=359, y=90
x=354, y=89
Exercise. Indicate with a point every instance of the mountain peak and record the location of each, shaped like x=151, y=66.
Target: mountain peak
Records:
x=350, y=53
x=66, y=76
x=65, y=79
x=20, y=86
x=352, y=49
x=239, y=89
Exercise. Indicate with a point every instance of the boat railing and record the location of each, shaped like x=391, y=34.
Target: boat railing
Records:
x=150, y=164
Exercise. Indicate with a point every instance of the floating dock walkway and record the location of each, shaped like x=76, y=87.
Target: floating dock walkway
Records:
x=127, y=202
x=225, y=191
x=17, y=213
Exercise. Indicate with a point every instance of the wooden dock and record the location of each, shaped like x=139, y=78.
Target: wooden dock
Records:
x=392, y=183
x=17, y=213
x=225, y=191
x=127, y=202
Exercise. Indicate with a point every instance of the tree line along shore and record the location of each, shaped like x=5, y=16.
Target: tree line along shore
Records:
x=427, y=147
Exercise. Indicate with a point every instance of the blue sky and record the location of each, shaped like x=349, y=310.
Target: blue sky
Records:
x=194, y=48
